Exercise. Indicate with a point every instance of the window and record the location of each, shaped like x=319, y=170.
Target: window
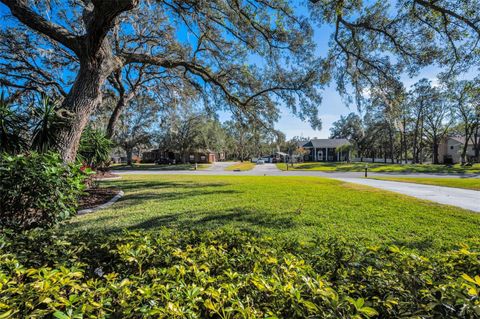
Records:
x=202, y=157
x=451, y=147
x=192, y=157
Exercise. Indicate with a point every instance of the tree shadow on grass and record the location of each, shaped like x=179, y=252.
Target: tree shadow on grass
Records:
x=239, y=218
x=135, y=185
x=137, y=198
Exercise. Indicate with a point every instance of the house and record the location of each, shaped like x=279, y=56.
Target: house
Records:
x=326, y=150
x=450, y=150
x=175, y=157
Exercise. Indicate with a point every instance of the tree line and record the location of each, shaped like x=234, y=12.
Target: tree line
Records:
x=409, y=125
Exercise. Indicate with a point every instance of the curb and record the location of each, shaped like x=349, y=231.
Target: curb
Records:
x=103, y=206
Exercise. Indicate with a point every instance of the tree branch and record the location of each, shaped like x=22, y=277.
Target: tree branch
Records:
x=27, y=16
x=101, y=18
x=433, y=6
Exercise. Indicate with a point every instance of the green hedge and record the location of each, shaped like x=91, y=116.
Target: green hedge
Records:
x=227, y=275
x=38, y=190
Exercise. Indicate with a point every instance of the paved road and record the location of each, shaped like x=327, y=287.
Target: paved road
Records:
x=467, y=199
x=272, y=170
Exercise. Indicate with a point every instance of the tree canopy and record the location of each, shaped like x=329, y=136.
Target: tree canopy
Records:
x=246, y=56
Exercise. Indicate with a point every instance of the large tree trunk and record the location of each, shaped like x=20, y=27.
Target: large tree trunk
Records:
x=96, y=61
x=79, y=104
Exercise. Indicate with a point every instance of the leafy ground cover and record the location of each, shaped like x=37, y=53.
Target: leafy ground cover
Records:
x=382, y=167
x=153, y=167
x=300, y=208
x=245, y=166
x=247, y=247
x=467, y=183
x=227, y=274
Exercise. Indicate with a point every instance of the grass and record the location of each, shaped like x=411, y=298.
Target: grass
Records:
x=155, y=167
x=467, y=183
x=283, y=208
x=382, y=167
x=245, y=166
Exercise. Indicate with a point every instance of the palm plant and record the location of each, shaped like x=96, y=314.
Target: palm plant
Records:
x=94, y=148
x=12, y=129
x=48, y=121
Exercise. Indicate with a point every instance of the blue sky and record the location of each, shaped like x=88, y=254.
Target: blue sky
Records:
x=333, y=106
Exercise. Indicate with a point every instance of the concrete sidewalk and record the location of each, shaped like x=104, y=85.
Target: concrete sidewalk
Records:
x=463, y=198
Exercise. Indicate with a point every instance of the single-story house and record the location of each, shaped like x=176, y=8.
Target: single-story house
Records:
x=450, y=149
x=174, y=157
x=326, y=150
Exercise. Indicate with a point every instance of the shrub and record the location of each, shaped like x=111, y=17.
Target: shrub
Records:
x=227, y=275
x=12, y=128
x=48, y=118
x=37, y=190
x=94, y=148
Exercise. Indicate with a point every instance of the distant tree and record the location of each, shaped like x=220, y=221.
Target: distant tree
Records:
x=348, y=127
x=184, y=130
x=214, y=137
x=438, y=119
x=299, y=152
x=465, y=96
x=136, y=128
x=419, y=96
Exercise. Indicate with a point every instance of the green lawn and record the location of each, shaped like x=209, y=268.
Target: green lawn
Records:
x=283, y=208
x=245, y=166
x=152, y=167
x=467, y=183
x=382, y=167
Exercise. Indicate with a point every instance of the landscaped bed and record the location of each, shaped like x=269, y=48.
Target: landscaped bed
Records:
x=227, y=274
x=247, y=247
x=383, y=167
x=467, y=183
x=96, y=196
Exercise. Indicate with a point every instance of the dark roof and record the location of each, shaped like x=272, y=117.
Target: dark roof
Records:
x=302, y=143
x=327, y=143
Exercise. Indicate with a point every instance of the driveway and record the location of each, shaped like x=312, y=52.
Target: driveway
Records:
x=464, y=198
x=219, y=166
x=265, y=169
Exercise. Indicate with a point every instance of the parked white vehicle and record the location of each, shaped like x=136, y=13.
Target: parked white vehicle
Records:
x=260, y=161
